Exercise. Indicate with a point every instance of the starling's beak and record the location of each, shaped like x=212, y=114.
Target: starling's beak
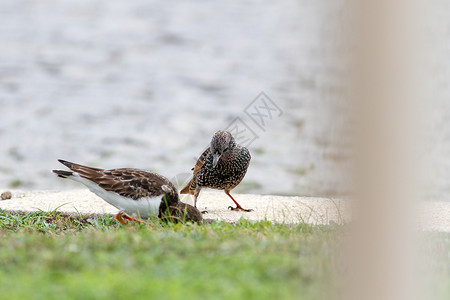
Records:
x=216, y=157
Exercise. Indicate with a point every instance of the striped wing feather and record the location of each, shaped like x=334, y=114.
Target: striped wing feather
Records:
x=131, y=183
x=199, y=165
x=200, y=162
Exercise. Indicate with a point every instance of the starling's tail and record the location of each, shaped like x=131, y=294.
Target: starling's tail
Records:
x=62, y=173
x=187, y=188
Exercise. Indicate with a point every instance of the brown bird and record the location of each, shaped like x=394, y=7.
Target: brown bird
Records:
x=133, y=191
x=222, y=166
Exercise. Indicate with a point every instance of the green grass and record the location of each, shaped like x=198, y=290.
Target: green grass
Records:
x=51, y=256
x=47, y=256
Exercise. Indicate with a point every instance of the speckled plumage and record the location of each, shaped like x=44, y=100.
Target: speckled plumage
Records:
x=133, y=191
x=222, y=166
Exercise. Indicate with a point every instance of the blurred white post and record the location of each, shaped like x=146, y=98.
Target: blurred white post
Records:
x=385, y=96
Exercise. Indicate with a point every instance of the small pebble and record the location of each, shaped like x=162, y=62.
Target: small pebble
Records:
x=6, y=195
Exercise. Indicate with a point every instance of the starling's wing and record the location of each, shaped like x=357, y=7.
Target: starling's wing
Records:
x=200, y=162
x=199, y=165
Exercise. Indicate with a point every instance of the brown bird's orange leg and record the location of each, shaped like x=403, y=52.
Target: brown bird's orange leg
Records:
x=121, y=216
x=120, y=219
x=238, y=207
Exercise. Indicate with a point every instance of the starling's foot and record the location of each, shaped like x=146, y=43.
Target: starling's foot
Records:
x=240, y=208
x=204, y=212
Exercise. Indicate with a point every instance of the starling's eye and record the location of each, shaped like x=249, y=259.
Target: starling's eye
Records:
x=225, y=150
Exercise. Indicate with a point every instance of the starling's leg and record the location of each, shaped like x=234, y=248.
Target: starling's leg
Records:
x=121, y=216
x=238, y=207
x=196, y=192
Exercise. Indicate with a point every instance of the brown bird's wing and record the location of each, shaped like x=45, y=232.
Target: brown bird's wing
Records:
x=190, y=187
x=131, y=183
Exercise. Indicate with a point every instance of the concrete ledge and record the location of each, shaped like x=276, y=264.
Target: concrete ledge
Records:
x=290, y=210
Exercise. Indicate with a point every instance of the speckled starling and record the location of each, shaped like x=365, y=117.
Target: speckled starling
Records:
x=222, y=166
x=135, y=192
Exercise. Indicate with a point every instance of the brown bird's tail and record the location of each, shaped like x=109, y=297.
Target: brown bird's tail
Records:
x=62, y=173
x=187, y=189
